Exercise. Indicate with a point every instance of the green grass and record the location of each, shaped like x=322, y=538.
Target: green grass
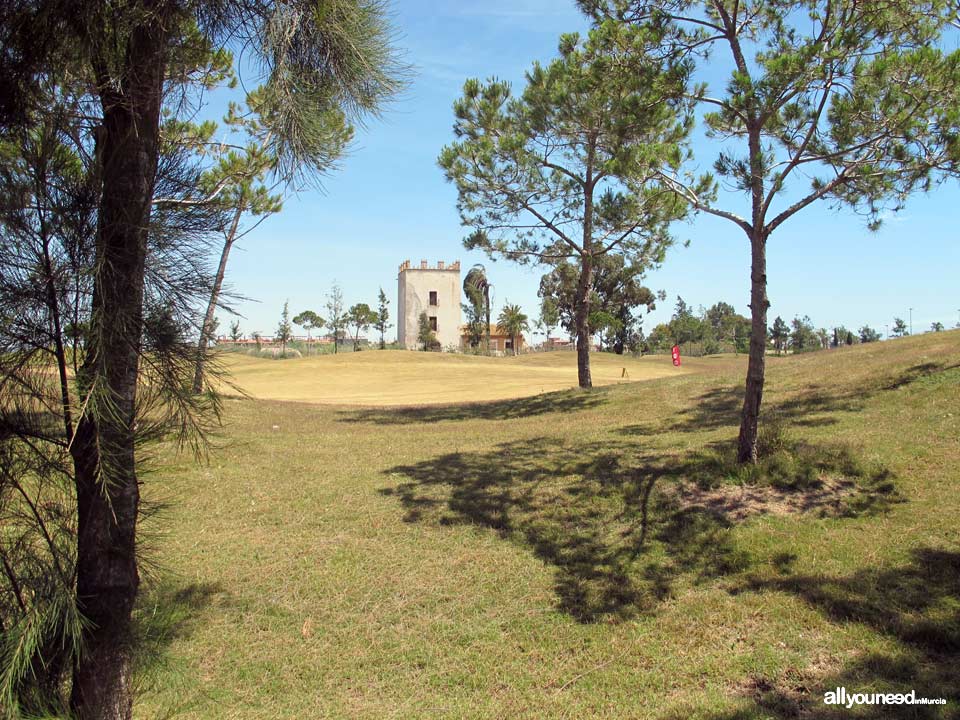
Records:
x=572, y=555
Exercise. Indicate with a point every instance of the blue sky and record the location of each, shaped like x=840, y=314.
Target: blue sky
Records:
x=389, y=202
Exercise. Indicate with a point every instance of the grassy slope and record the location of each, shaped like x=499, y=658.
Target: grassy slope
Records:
x=531, y=559
x=416, y=378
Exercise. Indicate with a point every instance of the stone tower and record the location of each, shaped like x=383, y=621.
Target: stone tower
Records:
x=435, y=291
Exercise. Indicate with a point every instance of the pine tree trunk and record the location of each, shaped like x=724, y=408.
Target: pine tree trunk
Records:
x=582, y=318
x=750, y=417
x=103, y=451
x=207, y=329
x=585, y=281
x=107, y=580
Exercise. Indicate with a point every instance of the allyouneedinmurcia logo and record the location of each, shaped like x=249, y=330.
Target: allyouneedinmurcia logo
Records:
x=840, y=696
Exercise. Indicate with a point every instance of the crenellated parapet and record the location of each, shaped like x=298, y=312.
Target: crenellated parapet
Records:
x=425, y=265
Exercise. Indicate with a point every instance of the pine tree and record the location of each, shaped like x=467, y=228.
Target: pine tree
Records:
x=383, y=317
x=361, y=317
x=779, y=333
x=124, y=54
x=337, y=315
x=815, y=89
x=586, y=142
x=284, y=330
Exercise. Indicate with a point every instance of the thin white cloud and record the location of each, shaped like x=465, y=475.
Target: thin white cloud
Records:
x=514, y=11
x=891, y=217
x=442, y=69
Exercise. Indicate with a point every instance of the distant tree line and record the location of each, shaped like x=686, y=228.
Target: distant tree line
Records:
x=616, y=295
x=342, y=323
x=720, y=329
x=800, y=336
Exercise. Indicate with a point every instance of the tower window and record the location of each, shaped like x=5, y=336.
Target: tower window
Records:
x=433, y=322
x=433, y=298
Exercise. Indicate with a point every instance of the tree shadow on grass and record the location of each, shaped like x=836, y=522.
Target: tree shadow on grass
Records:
x=790, y=476
x=562, y=402
x=170, y=610
x=622, y=528
x=721, y=407
x=917, y=373
x=590, y=511
x=166, y=612
x=916, y=605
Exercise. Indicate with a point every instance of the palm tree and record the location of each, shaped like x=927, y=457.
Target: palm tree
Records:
x=513, y=322
x=477, y=289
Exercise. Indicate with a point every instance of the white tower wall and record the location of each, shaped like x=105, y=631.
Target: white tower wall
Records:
x=414, y=288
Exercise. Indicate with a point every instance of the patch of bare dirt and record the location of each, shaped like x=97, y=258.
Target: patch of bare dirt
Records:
x=737, y=502
x=794, y=693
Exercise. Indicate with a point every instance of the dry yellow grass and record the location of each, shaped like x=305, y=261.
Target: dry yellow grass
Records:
x=391, y=378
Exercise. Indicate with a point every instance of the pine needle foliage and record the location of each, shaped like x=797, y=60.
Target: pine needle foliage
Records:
x=571, y=167
x=845, y=102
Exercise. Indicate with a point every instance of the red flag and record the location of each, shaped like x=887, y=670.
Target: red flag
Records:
x=675, y=352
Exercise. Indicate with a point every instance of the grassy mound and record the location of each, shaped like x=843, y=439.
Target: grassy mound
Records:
x=570, y=554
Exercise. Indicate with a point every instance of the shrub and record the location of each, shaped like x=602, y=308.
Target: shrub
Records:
x=793, y=465
x=276, y=353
